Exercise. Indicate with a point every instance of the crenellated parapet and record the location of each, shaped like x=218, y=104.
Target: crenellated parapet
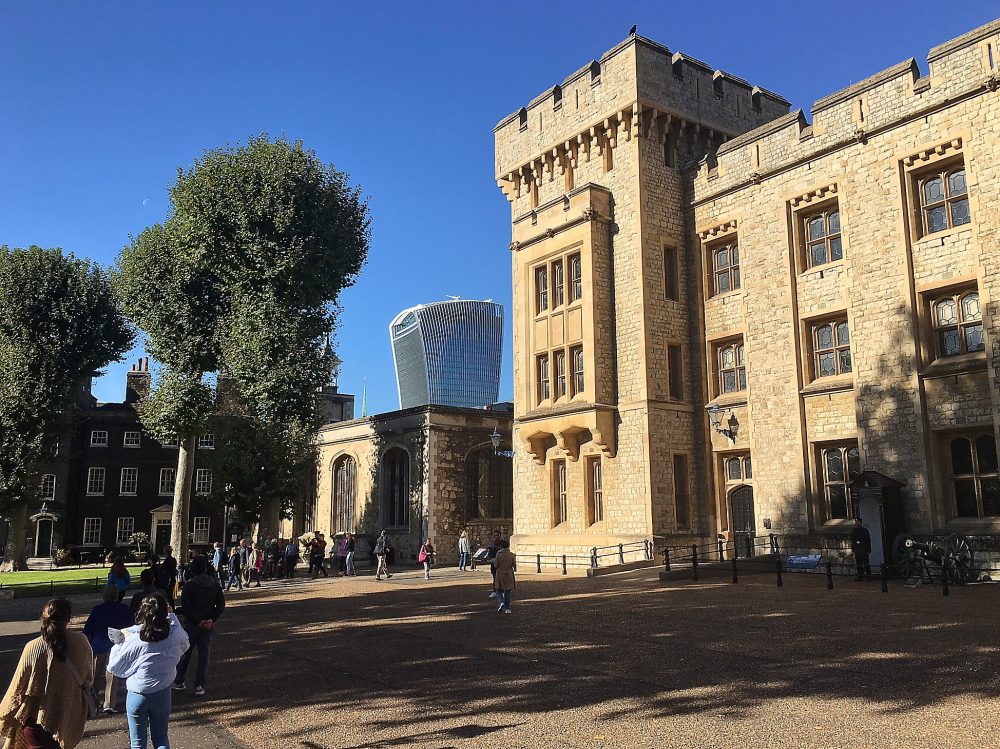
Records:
x=964, y=67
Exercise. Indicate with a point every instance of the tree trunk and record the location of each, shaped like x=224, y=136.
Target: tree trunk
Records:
x=15, y=557
x=179, y=518
x=270, y=520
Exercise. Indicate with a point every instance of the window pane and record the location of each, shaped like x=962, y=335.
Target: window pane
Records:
x=817, y=253
x=960, y=212
x=747, y=468
x=834, y=465
x=970, y=308
x=733, y=469
x=827, y=365
x=965, y=499
x=722, y=282
x=736, y=255
x=843, y=333
x=950, y=342
x=729, y=382
x=974, y=338
x=853, y=463
x=933, y=191
x=845, y=361
x=991, y=497
x=836, y=250
x=838, y=502
x=834, y=222
x=742, y=377
x=736, y=278
x=946, y=312
x=816, y=228
x=986, y=451
x=961, y=457
x=824, y=336
x=956, y=183
x=728, y=358
x=936, y=219
x=739, y=355
x=722, y=259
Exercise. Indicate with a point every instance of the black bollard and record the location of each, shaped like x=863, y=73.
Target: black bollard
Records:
x=694, y=561
x=621, y=553
x=944, y=583
x=666, y=559
x=564, y=564
x=722, y=552
x=593, y=557
x=829, y=576
x=736, y=578
x=538, y=558
x=777, y=566
x=885, y=578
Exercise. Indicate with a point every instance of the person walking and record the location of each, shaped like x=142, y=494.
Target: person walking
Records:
x=255, y=559
x=317, y=552
x=273, y=552
x=382, y=549
x=147, y=661
x=491, y=554
x=200, y=606
x=45, y=706
x=351, y=546
x=115, y=614
x=506, y=565
x=291, y=558
x=464, y=551
x=342, y=555
x=218, y=557
x=147, y=579
x=234, y=570
x=245, y=557
x=426, y=558
x=861, y=545
x=119, y=577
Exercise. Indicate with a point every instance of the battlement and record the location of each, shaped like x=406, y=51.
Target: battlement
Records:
x=963, y=67
x=637, y=77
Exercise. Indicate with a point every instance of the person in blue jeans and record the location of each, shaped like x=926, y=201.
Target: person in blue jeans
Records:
x=147, y=661
x=200, y=606
x=235, y=575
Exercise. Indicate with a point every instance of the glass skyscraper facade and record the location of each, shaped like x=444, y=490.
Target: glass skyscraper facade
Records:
x=448, y=353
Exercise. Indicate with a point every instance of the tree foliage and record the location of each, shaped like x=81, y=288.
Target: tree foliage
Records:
x=59, y=324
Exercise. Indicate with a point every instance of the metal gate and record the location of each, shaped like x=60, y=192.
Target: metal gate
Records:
x=744, y=524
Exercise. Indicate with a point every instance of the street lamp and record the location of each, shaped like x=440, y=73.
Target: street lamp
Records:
x=732, y=423
x=495, y=439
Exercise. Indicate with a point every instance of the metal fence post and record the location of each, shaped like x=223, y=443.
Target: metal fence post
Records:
x=538, y=559
x=829, y=576
x=774, y=543
x=780, y=583
x=694, y=561
x=666, y=559
x=593, y=557
x=884, y=574
x=736, y=578
x=621, y=553
x=564, y=564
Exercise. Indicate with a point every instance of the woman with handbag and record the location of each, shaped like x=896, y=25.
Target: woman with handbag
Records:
x=426, y=558
x=147, y=661
x=49, y=699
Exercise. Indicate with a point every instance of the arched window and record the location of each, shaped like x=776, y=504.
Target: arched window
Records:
x=344, y=492
x=395, y=488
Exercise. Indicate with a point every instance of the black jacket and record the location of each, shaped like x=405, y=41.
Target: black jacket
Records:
x=201, y=599
x=861, y=540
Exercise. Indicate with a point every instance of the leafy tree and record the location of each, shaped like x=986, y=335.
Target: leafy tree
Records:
x=59, y=323
x=241, y=278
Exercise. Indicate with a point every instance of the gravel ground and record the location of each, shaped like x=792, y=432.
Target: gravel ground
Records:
x=621, y=660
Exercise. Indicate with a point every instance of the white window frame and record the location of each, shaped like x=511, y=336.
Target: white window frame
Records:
x=92, y=473
x=123, y=536
x=97, y=441
x=203, y=481
x=173, y=484
x=48, y=486
x=206, y=441
x=92, y=530
x=134, y=442
x=171, y=444
x=201, y=534
x=135, y=482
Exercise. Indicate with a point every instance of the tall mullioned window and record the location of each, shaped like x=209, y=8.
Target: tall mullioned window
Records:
x=560, y=502
x=542, y=373
x=944, y=200
x=129, y=481
x=558, y=284
x=95, y=481
x=975, y=476
x=831, y=348
x=596, y=486
x=576, y=360
x=726, y=267
x=168, y=477
x=958, y=324
x=49, y=486
x=822, y=235
x=839, y=466
x=541, y=289
x=395, y=488
x=344, y=489
x=203, y=481
x=732, y=367
x=560, y=359
x=575, y=278
x=91, y=531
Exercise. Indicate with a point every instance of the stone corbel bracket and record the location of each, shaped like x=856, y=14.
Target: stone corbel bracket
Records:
x=724, y=228
x=814, y=196
x=929, y=153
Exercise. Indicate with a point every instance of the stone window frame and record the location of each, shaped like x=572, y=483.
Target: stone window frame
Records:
x=560, y=493
x=671, y=273
x=823, y=200
x=540, y=276
x=928, y=296
x=731, y=272
x=557, y=273
x=713, y=240
x=394, y=499
x=595, y=490
x=826, y=485
x=577, y=373
x=962, y=323
x=977, y=476
x=838, y=347
x=574, y=263
x=559, y=374
x=133, y=482
x=944, y=158
x=742, y=459
x=738, y=344
x=543, y=378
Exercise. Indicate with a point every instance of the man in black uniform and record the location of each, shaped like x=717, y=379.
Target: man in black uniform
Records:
x=861, y=545
x=494, y=547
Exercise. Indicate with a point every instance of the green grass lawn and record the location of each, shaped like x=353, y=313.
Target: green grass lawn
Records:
x=63, y=576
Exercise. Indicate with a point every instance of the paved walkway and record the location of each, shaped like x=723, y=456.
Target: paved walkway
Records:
x=620, y=661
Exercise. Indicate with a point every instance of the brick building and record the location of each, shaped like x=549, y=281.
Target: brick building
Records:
x=681, y=241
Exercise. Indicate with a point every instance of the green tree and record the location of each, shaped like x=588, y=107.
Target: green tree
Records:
x=59, y=324
x=242, y=278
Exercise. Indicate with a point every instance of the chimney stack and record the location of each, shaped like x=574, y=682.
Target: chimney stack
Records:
x=138, y=381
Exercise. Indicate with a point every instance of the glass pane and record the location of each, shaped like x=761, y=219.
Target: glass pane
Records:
x=956, y=183
x=816, y=228
x=974, y=338
x=739, y=355
x=817, y=253
x=933, y=191
x=965, y=499
x=949, y=342
x=722, y=282
x=733, y=469
x=845, y=361
x=986, y=452
x=834, y=222
x=728, y=359
x=960, y=212
x=834, y=465
x=961, y=457
x=729, y=382
x=836, y=250
x=991, y=497
x=827, y=365
x=722, y=259
x=824, y=336
x=736, y=255
x=946, y=312
x=853, y=463
x=838, y=502
x=970, y=307
x=843, y=334
x=736, y=278
x=742, y=377
x=936, y=220
x=747, y=469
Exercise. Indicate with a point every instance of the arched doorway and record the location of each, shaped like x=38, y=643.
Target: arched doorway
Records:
x=43, y=537
x=744, y=524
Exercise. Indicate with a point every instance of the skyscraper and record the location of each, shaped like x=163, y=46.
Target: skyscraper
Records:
x=448, y=353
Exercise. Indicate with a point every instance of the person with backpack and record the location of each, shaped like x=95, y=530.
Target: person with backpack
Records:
x=116, y=615
x=46, y=695
x=200, y=606
x=382, y=549
x=426, y=558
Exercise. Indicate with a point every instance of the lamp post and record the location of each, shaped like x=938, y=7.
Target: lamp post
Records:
x=495, y=439
x=715, y=415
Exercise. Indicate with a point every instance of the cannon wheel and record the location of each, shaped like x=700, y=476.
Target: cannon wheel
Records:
x=958, y=561
x=906, y=559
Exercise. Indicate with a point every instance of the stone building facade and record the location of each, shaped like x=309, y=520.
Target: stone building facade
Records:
x=681, y=241
x=423, y=472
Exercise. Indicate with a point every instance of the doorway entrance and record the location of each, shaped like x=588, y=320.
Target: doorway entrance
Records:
x=162, y=536
x=43, y=538
x=744, y=524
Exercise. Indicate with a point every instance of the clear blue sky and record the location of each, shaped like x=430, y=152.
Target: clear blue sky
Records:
x=101, y=102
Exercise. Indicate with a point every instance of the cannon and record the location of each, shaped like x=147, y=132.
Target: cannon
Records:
x=952, y=555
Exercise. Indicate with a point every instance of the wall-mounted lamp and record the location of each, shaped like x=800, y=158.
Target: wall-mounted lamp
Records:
x=495, y=439
x=715, y=414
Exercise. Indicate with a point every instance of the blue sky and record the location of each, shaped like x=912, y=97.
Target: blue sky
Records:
x=101, y=102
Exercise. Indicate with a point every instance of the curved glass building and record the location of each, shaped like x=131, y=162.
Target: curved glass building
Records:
x=448, y=353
